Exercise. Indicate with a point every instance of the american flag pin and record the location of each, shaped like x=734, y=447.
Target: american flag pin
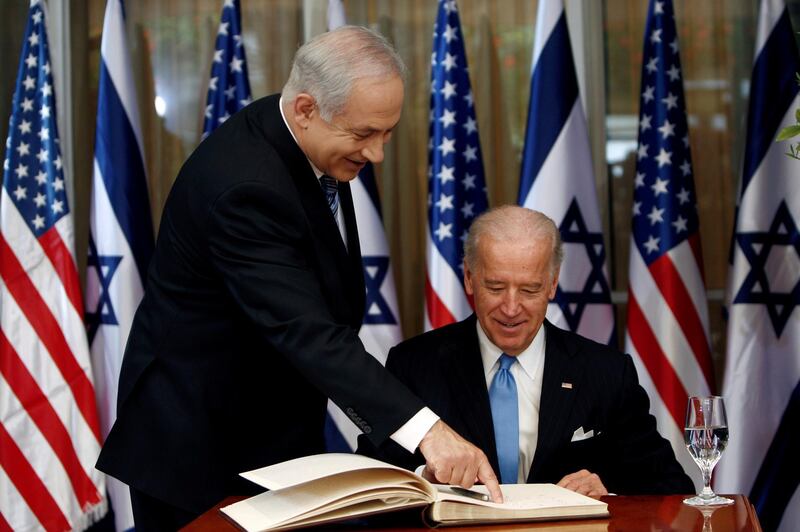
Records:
x=567, y=385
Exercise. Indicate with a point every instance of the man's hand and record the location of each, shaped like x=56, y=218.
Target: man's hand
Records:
x=450, y=459
x=585, y=483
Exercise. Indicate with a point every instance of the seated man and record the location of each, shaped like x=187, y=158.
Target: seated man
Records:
x=544, y=404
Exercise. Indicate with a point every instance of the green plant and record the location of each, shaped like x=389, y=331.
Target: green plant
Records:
x=792, y=131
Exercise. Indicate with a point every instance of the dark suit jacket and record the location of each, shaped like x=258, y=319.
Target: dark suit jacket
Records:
x=444, y=368
x=250, y=319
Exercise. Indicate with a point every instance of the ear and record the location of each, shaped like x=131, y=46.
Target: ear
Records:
x=303, y=108
x=552, y=288
x=468, y=280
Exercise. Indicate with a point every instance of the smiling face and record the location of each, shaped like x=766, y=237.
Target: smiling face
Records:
x=511, y=284
x=342, y=146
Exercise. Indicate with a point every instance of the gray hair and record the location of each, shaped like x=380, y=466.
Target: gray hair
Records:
x=512, y=223
x=327, y=66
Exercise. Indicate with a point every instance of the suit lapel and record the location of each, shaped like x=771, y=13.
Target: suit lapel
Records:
x=562, y=372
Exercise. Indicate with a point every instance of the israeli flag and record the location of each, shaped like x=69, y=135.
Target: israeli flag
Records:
x=121, y=238
x=380, y=329
x=762, y=375
x=557, y=179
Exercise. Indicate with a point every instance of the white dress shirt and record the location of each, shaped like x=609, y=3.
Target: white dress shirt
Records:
x=409, y=435
x=528, y=374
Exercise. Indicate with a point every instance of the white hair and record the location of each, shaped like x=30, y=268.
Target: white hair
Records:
x=327, y=66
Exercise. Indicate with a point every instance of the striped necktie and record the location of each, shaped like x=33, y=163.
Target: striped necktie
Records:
x=331, y=188
x=505, y=416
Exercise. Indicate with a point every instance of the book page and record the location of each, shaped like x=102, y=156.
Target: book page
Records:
x=522, y=497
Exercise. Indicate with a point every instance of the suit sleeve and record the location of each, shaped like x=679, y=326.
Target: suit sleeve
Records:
x=644, y=461
x=258, y=244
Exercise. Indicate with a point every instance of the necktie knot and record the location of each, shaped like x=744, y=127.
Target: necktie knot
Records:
x=331, y=188
x=506, y=361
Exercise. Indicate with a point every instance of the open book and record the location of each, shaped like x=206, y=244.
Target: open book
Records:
x=332, y=487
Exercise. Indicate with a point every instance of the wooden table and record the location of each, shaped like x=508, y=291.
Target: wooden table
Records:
x=628, y=513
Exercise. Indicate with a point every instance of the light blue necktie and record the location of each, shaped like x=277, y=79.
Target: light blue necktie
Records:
x=505, y=415
x=331, y=188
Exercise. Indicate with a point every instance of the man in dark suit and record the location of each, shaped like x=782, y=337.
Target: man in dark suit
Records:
x=582, y=419
x=255, y=295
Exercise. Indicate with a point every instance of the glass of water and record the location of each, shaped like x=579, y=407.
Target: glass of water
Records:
x=706, y=436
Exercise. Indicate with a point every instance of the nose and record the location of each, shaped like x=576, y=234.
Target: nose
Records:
x=373, y=149
x=510, y=304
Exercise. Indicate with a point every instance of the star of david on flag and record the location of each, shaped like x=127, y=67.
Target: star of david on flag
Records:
x=49, y=430
x=229, y=86
x=762, y=371
x=456, y=186
x=557, y=179
x=667, y=333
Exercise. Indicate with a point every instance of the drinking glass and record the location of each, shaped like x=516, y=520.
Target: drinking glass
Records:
x=706, y=436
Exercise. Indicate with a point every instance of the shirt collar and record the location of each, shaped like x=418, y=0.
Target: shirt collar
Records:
x=528, y=359
x=317, y=172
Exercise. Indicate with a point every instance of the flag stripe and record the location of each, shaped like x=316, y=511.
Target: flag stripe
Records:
x=31, y=488
x=4, y=526
x=122, y=170
x=64, y=265
x=556, y=92
x=772, y=89
x=43, y=414
x=672, y=392
x=47, y=328
x=436, y=311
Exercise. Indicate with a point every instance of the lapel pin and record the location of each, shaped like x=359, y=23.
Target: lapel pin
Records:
x=567, y=385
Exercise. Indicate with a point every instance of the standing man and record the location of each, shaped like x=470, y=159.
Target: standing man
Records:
x=545, y=404
x=255, y=295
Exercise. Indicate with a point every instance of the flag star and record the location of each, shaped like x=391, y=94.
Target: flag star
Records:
x=470, y=153
x=449, y=89
x=23, y=148
x=223, y=118
x=37, y=17
x=218, y=55
x=244, y=102
x=227, y=3
x=58, y=184
x=41, y=177
x=29, y=83
x=236, y=64
x=468, y=98
x=433, y=55
x=445, y=202
x=46, y=68
x=659, y=187
x=31, y=61
x=450, y=6
x=450, y=33
x=686, y=167
x=644, y=123
x=655, y=36
x=683, y=196
x=639, y=180
x=47, y=90
x=5, y=164
x=20, y=192
x=447, y=146
x=44, y=111
x=446, y=174
x=223, y=28
x=430, y=176
x=57, y=206
x=652, y=244
x=637, y=206
x=38, y=222
x=674, y=73
x=42, y=155
x=33, y=39
x=469, y=181
x=463, y=239
x=449, y=62
x=651, y=65
x=647, y=95
x=230, y=92
x=664, y=157
x=209, y=107
x=57, y=162
x=27, y=104
x=656, y=215
x=44, y=133
x=642, y=152
x=212, y=83
x=680, y=224
x=39, y=199
x=24, y=127
x=466, y=210
x=21, y=171
x=237, y=40
x=671, y=100
x=658, y=8
x=674, y=45
x=448, y=118
x=685, y=140
x=470, y=125
x=430, y=143
x=667, y=129
x=444, y=231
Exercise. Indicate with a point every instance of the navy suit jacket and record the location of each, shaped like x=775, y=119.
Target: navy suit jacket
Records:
x=249, y=322
x=444, y=368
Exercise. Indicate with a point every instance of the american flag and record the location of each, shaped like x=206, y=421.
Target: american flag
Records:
x=229, y=87
x=667, y=309
x=762, y=371
x=121, y=237
x=49, y=431
x=557, y=179
x=456, y=187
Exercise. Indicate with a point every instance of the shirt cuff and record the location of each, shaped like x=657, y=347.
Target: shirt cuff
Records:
x=410, y=435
